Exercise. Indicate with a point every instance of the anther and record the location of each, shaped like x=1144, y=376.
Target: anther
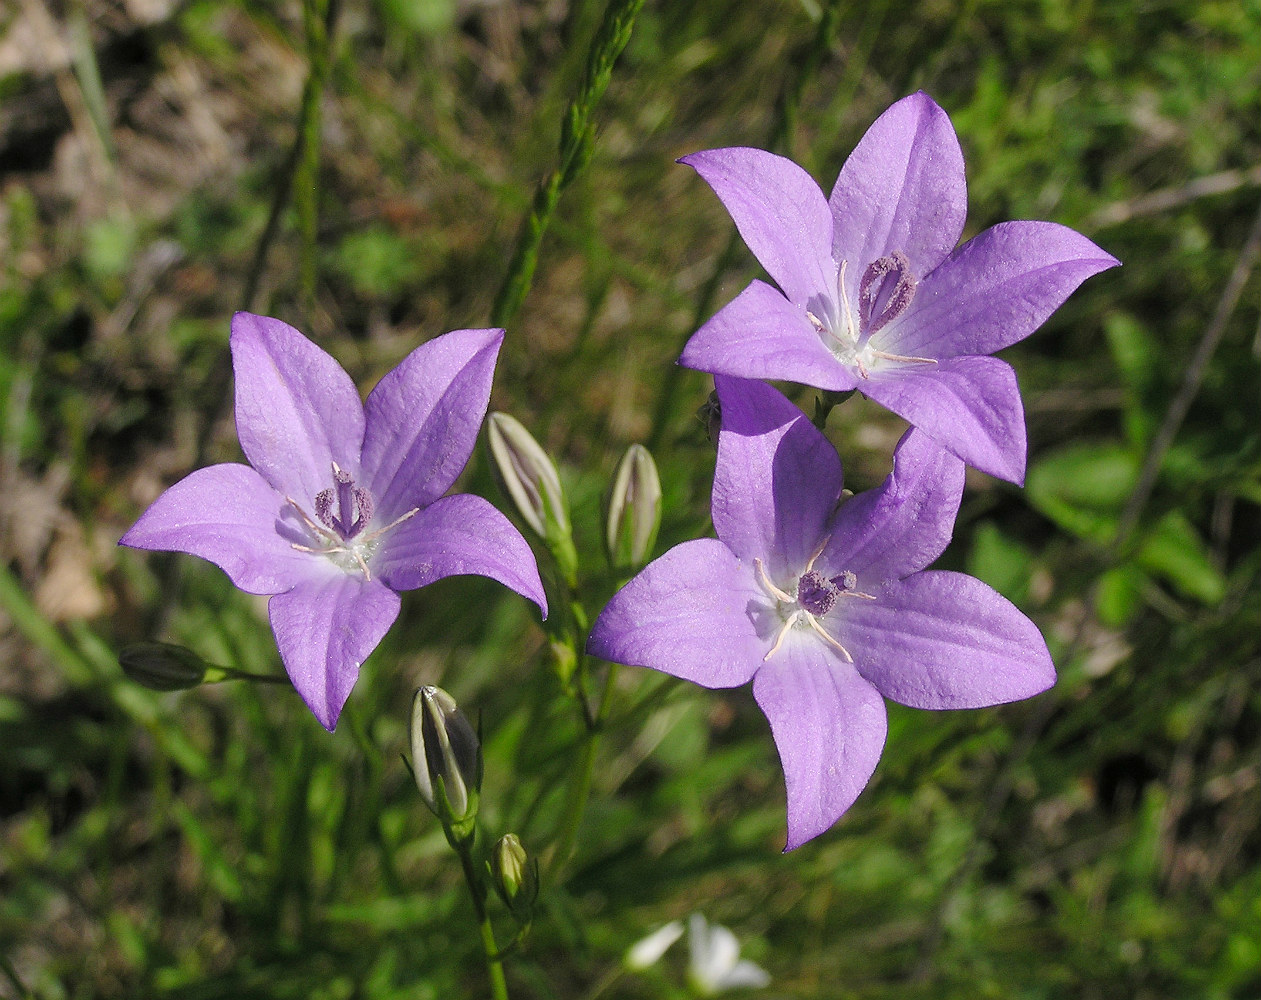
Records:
x=885, y=292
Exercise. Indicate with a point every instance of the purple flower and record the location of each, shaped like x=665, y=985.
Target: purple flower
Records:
x=824, y=608
x=344, y=505
x=874, y=294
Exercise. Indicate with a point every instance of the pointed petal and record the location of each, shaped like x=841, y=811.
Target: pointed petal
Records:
x=970, y=406
x=714, y=952
x=994, y=290
x=777, y=480
x=693, y=613
x=297, y=411
x=455, y=536
x=423, y=418
x=760, y=334
x=325, y=628
x=228, y=515
x=746, y=973
x=946, y=640
x=780, y=213
x=902, y=188
x=903, y=525
x=829, y=727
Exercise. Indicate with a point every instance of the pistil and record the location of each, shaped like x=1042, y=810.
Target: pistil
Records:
x=341, y=531
x=816, y=596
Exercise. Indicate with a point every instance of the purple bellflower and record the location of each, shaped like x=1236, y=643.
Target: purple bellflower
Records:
x=344, y=505
x=824, y=608
x=876, y=297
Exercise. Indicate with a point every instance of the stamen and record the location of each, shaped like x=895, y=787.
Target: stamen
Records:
x=783, y=631
x=845, y=309
x=773, y=590
x=902, y=357
x=831, y=641
x=876, y=292
x=372, y=535
x=817, y=552
x=317, y=529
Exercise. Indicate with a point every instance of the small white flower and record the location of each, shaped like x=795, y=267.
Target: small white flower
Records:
x=715, y=963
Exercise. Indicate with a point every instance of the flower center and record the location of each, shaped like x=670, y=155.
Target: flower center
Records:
x=342, y=511
x=885, y=292
x=354, y=506
x=816, y=596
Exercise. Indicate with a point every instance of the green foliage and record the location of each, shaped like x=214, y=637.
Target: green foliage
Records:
x=1098, y=841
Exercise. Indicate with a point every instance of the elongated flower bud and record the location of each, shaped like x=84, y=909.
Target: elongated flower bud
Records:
x=515, y=876
x=161, y=666
x=529, y=477
x=634, y=512
x=446, y=759
x=526, y=474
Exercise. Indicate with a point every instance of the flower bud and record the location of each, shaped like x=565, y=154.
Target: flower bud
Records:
x=161, y=666
x=529, y=477
x=515, y=876
x=634, y=512
x=446, y=759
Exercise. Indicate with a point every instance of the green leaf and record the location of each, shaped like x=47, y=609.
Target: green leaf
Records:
x=1174, y=550
x=1000, y=561
x=1083, y=487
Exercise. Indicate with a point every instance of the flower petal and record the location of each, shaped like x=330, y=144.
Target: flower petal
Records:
x=228, y=515
x=829, y=727
x=946, y=640
x=325, y=628
x=454, y=536
x=781, y=215
x=995, y=290
x=970, y=406
x=297, y=411
x=902, y=188
x=713, y=952
x=777, y=480
x=691, y=613
x=760, y=334
x=904, y=524
x=423, y=418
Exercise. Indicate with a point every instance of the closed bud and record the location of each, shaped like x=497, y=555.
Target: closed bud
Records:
x=529, y=477
x=446, y=759
x=634, y=512
x=515, y=876
x=161, y=666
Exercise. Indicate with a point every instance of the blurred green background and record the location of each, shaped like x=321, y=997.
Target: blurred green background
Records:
x=1100, y=841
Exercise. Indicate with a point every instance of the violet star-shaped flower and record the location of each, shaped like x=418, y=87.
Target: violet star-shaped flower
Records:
x=873, y=294
x=344, y=505
x=824, y=608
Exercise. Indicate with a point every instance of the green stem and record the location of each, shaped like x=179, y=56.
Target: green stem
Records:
x=780, y=138
x=580, y=788
x=477, y=893
x=307, y=195
x=577, y=139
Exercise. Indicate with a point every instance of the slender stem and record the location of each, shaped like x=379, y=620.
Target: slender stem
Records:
x=576, y=797
x=580, y=787
x=1192, y=379
x=477, y=893
x=307, y=195
x=577, y=139
x=780, y=138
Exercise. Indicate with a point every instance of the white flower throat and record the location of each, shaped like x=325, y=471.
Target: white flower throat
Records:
x=885, y=292
x=816, y=596
x=343, y=511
